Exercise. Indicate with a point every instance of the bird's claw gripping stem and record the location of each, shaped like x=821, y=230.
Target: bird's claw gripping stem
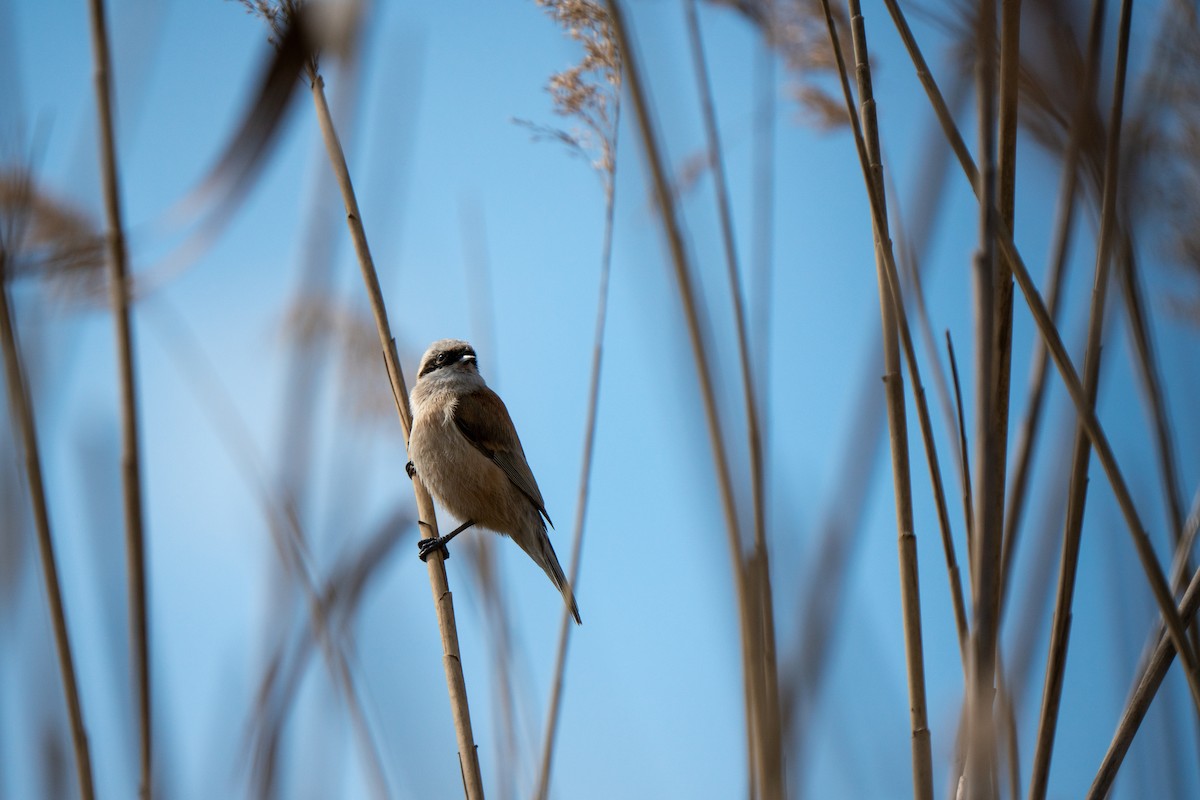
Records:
x=427, y=546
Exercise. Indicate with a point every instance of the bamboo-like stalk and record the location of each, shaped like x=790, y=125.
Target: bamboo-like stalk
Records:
x=759, y=733
x=119, y=294
x=891, y=313
x=1077, y=493
x=21, y=407
x=585, y=473
x=961, y=625
x=1066, y=368
x=442, y=598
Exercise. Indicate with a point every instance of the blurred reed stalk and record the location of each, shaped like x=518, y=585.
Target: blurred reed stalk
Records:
x=21, y=407
x=119, y=293
x=757, y=563
x=750, y=571
x=173, y=334
x=1056, y=267
x=442, y=598
x=598, y=107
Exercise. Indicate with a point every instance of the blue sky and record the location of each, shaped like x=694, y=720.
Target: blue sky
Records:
x=444, y=177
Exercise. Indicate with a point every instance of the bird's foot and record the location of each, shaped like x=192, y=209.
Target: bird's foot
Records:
x=410, y=469
x=427, y=546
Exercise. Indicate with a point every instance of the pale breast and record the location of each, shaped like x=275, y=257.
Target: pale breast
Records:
x=463, y=480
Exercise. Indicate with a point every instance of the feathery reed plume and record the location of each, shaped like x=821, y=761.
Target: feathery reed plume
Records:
x=798, y=32
x=59, y=243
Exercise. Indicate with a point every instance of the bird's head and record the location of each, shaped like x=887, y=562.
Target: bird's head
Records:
x=446, y=358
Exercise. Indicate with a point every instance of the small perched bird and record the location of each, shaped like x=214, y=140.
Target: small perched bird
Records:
x=465, y=448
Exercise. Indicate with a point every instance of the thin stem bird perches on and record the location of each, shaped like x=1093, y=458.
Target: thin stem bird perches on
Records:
x=442, y=599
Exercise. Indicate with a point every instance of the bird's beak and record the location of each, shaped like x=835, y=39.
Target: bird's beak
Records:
x=468, y=357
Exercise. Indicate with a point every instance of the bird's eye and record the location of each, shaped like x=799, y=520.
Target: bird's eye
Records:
x=441, y=359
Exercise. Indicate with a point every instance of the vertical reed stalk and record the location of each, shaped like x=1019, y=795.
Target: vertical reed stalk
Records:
x=442, y=598
x=897, y=418
x=585, y=474
x=1027, y=437
x=21, y=407
x=985, y=568
x=762, y=731
x=1002, y=285
x=760, y=567
x=893, y=321
x=119, y=293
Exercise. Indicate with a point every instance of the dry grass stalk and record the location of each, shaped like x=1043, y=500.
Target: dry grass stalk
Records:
x=596, y=84
x=119, y=293
x=761, y=576
x=963, y=448
x=891, y=302
x=893, y=322
x=1062, y=360
x=961, y=625
x=21, y=407
x=762, y=725
x=981, y=748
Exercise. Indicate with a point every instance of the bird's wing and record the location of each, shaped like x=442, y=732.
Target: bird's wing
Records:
x=483, y=419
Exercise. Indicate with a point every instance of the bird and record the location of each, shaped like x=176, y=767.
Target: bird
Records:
x=464, y=448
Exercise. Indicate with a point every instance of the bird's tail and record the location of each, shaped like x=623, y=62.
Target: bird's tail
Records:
x=549, y=562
